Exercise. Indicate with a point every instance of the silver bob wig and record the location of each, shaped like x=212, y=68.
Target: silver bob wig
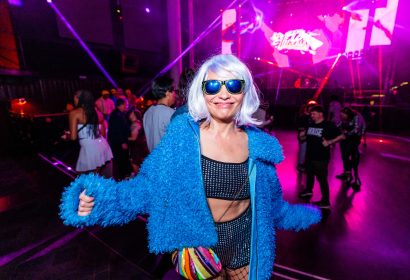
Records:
x=225, y=66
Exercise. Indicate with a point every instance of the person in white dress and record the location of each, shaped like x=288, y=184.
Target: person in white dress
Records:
x=88, y=126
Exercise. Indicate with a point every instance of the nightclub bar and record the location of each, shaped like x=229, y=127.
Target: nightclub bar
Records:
x=187, y=139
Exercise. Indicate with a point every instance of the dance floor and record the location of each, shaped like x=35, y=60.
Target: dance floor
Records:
x=365, y=235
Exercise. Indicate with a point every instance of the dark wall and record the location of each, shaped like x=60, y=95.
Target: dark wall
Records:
x=47, y=47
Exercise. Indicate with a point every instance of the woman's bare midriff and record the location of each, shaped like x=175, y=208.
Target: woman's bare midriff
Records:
x=219, y=206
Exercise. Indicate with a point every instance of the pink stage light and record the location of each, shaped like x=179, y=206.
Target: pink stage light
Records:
x=147, y=10
x=17, y=3
x=49, y=1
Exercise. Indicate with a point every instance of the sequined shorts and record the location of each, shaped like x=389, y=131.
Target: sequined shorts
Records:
x=234, y=241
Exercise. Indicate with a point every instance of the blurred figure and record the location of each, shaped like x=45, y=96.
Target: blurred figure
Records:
x=121, y=95
x=334, y=109
x=105, y=105
x=302, y=122
x=136, y=142
x=87, y=124
x=353, y=127
x=320, y=134
x=184, y=81
x=114, y=95
x=118, y=132
x=157, y=117
x=262, y=115
x=132, y=99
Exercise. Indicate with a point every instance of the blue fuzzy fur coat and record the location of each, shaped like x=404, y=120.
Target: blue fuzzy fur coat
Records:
x=169, y=188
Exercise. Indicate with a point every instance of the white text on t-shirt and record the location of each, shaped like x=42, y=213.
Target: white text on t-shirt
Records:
x=315, y=131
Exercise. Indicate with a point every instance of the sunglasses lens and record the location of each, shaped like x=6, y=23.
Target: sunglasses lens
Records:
x=234, y=86
x=212, y=86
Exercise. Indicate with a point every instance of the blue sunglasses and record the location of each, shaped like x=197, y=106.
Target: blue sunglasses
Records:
x=233, y=86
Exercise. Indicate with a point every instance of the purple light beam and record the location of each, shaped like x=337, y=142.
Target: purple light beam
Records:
x=82, y=43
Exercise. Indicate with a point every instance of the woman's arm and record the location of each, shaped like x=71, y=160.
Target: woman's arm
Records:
x=101, y=121
x=114, y=203
x=72, y=121
x=135, y=132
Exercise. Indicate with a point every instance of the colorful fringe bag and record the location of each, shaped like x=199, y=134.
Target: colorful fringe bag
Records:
x=196, y=263
x=200, y=263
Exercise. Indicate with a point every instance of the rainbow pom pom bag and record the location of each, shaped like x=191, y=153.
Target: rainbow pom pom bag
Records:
x=196, y=263
x=200, y=263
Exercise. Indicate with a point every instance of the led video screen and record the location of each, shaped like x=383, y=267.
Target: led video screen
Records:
x=300, y=33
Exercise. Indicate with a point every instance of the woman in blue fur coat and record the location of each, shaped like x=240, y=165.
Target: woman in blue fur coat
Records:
x=211, y=181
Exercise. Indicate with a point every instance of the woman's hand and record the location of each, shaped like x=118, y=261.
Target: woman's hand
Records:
x=66, y=136
x=86, y=204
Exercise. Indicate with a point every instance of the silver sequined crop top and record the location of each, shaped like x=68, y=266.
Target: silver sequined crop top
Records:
x=223, y=180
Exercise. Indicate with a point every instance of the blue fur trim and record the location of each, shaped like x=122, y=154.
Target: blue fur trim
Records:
x=298, y=217
x=111, y=206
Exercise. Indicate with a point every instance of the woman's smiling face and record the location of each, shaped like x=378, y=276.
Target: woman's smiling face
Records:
x=223, y=106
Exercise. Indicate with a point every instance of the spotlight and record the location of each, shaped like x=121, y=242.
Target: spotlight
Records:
x=147, y=10
x=49, y=1
x=17, y=3
x=22, y=101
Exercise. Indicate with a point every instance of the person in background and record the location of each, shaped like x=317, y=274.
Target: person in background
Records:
x=262, y=116
x=210, y=182
x=118, y=132
x=158, y=116
x=184, y=81
x=334, y=109
x=88, y=126
x=136, y=141
x=320, y=134
x=353, y=127
x=131, y=98
x=303, y=121
x=105, y=105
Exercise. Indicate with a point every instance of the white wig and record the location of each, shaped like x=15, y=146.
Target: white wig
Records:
x=225, y=66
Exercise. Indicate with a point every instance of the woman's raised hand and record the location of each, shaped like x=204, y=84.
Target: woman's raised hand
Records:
x=86, y=204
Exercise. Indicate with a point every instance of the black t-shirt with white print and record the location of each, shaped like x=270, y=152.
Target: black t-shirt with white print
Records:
x=315, y=133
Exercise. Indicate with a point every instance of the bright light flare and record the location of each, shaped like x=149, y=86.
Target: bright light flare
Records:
x=22, y=101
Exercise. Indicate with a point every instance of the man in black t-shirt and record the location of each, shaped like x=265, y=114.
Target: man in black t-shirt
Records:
x=320, y=134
